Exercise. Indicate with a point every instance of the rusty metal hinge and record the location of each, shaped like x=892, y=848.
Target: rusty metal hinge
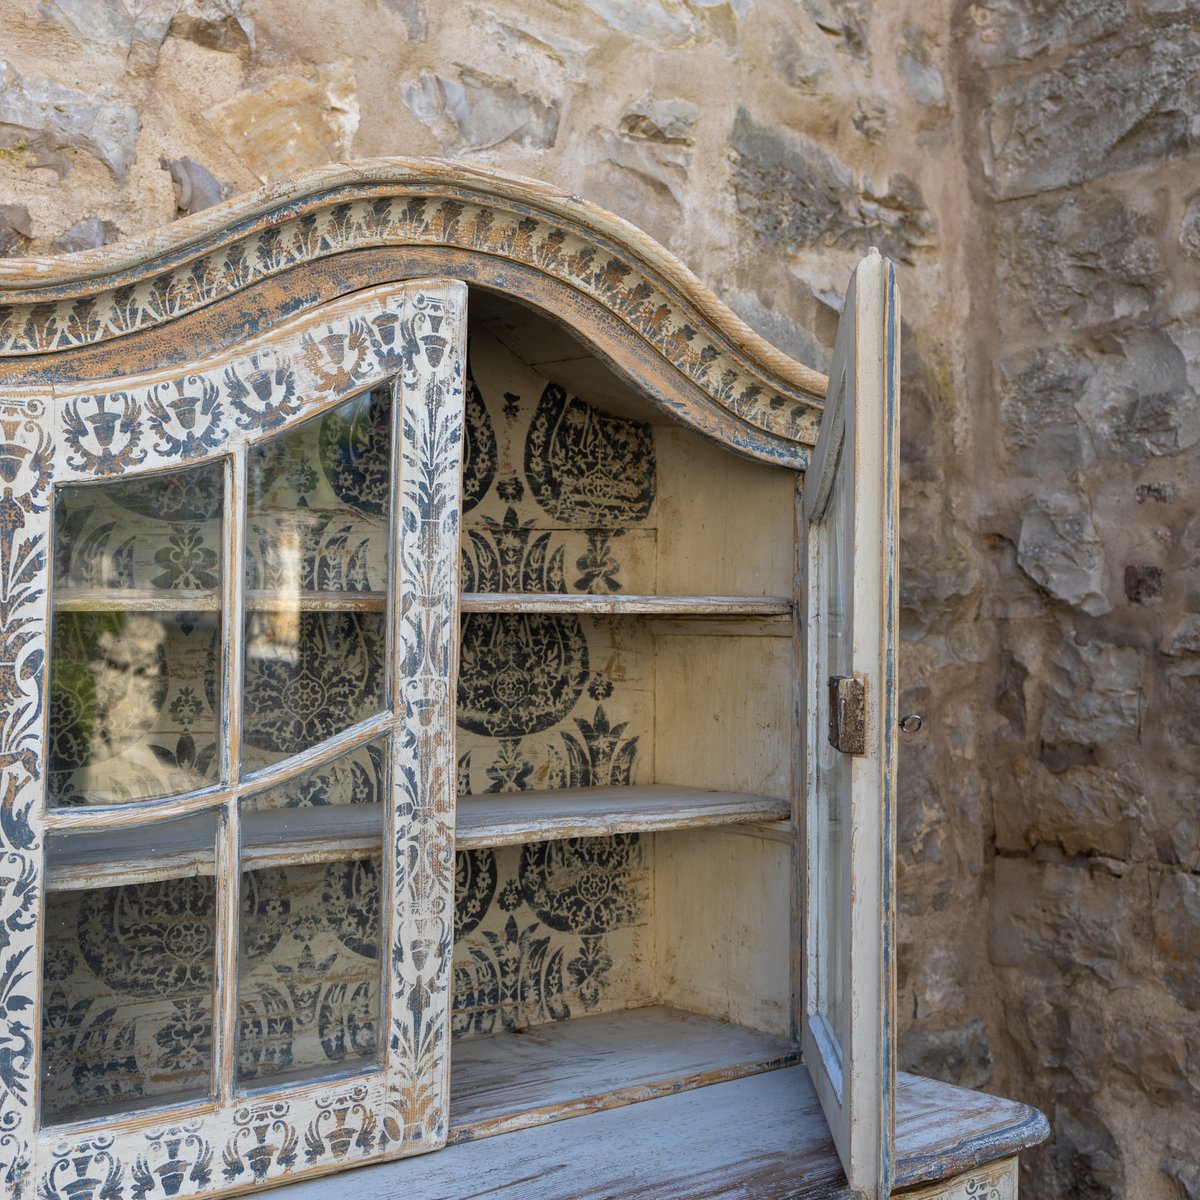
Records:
x=848, y=713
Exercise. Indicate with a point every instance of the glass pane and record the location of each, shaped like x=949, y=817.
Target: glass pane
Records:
x=135, y=641
x=833, y=768
x=128, y=969
x=317, y=535
x=309, y=999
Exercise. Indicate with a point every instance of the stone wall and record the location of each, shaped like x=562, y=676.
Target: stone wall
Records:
x=1026, y=164
x=1082, y=118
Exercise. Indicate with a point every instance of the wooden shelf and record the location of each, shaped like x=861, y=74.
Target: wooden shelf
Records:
x=628, y=605
x=588, y=1064
x=514, y=818
x=274, y=837
x=68, y=599
x=762, y=1136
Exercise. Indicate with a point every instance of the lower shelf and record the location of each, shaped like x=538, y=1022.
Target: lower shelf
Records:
x=588, y=1064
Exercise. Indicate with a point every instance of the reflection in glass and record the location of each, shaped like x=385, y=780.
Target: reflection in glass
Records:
x=309, y=1003
x=134, y=649
x=833, y=768
x=159, y=532
x=133, y=705
x=128, y=972
x=317, y=533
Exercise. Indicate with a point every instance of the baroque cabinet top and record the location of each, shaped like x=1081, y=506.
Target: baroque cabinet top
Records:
x=353, y=225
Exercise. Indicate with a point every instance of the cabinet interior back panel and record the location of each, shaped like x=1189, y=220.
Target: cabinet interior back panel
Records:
x=723, y=712
x=722, y=917
x=726, y=526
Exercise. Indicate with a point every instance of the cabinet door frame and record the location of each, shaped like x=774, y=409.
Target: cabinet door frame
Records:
x=415, y=333
x=853, y=1069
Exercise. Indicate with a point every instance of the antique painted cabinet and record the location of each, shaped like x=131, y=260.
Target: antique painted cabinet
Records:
x=447, y=686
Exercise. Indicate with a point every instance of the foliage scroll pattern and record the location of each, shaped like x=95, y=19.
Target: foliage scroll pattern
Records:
x=602, y=270
x=407, y=331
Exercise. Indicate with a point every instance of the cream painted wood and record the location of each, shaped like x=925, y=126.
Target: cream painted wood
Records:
x=852, y=1067
x=722, y=919
x=219, y=406
x=563, y=1069
x=723, y=712
x=725, y=525
x=996, y=1181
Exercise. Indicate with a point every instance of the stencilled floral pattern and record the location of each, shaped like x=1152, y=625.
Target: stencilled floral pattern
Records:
x=587, y=467
x=115, y=1036
x=545, y=943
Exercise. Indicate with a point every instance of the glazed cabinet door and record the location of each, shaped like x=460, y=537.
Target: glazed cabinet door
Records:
x=228, y=601
x=848, y=706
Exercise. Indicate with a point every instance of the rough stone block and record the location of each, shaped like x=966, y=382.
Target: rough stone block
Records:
x=1061, y=919
x=140, y=28
x=673, y=24
x=1075, y=260
x=1183, y=704
x=1140, y=402
x=1144, y=583
x=960, y=1055
x=653, y=140
x=1059, y=549
x=939, y=583
x=15, y=229
x=89, y=234
x=918, y=70
x=1105, y=109
x=291, y=122
x=1093, y=695
x=1061, y=1046
x=1039, y=390
x=1086, y=1157
x=1189, y=227
x=47, y=119
x=1082, y=810
x=798, y=65
x=1163, y=1061
x=1177, y=936
x=847, y=22
x=477, y=111
x=796, y=195
x=1001, y=30
x=1181, y=1164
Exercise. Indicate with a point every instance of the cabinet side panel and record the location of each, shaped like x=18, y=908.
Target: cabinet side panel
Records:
x=723, y=924
x=26, y=462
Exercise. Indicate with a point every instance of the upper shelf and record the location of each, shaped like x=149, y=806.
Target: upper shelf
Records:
x=209, y=600
x=275, y=837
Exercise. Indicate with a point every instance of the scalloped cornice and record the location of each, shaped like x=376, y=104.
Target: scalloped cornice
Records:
x=491, y=227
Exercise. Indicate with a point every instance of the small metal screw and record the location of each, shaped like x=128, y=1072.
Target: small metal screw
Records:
x=912, y=723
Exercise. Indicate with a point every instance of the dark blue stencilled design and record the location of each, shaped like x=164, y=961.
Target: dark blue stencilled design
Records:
x=518, y=674
x=341, y=1124
x=263, y=1138
x=582, y=885
x=355, y=451
x=350, y=895
x=323, y=678
x=474, y=889
x=534, y=928
x=185, y=415
x=480, y=460
x=172, y=1156
x=587, y=467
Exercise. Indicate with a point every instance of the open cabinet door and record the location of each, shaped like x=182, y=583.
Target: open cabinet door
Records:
x=849, y=587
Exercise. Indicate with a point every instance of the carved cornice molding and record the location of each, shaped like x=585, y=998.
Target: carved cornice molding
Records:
x=497, y=224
